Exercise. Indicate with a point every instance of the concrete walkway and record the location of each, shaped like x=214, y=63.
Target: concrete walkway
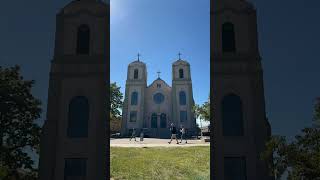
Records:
x=153, y=142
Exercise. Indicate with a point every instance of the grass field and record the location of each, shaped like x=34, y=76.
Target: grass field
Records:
x=160, y=163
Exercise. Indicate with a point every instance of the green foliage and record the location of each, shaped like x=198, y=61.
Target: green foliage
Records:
x=115, y=124
x=299, y=158
x=18, y=131
x=115, y=100
x=275, y=155
x=202, y=111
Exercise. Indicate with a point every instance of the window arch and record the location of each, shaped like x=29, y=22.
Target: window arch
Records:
x=182, y=98
x=83, y=39
x=232, y=116
x=134, y=98
x=163, y=120
x=136, y=74
x=154, y=122
x=181, y=73
x=228, y=37
x=78, y=117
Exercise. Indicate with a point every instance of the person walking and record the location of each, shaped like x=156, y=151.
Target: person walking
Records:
x=173, y=131
x=133, y=135
x=141, y=135
x=183, y=134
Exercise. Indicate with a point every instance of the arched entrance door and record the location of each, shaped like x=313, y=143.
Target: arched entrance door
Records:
x=163, y=120
x=154, y=124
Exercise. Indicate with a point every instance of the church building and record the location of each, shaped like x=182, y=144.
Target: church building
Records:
x=152, y=108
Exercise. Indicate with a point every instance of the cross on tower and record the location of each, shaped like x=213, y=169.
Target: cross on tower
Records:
x=158, y=74
x=179, y=56
x=139, y=56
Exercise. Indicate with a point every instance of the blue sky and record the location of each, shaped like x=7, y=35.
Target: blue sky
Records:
x=159, y=31
x=289, y=45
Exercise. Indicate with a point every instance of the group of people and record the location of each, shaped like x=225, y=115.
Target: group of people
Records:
x=133, y=135
x=173, y=131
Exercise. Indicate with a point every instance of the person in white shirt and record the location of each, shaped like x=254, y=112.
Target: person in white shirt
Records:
x=183, y=134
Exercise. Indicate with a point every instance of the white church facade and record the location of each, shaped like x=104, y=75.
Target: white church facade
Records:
x=152, y=108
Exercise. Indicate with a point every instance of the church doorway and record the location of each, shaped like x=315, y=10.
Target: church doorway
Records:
x=159, y=125
x=163, y=120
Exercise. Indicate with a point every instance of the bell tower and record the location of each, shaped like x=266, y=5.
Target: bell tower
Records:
x=73, y=142
x=239, y=118
x=182, y=96
x=134, y=102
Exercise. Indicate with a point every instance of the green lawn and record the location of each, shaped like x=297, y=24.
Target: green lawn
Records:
x=160, y=163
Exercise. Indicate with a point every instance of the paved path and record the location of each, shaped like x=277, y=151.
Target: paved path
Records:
x=153, y=142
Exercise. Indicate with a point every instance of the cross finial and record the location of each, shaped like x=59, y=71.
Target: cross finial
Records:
x=179, y=56
x=158, y=74
x=139, y=56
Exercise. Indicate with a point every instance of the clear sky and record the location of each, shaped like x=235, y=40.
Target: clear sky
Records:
x=289, y=46
x=288, y=37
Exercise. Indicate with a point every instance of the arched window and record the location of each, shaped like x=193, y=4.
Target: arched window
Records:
x=154, y=122
x=78, y=117
x=163, y=120
x=228, y=37
x=232, y=116
x=134, y=98
x=83, y=39
x=181, y=74
x=136, y=74
x=182, y=98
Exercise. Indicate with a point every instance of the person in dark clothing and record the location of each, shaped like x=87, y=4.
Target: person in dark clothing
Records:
x=173, y=131
x=141, y=135
x=133, y=135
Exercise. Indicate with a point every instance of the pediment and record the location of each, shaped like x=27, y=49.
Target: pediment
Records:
x=159, y=81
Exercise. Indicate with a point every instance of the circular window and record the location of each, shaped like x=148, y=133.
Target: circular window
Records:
x=158, y=98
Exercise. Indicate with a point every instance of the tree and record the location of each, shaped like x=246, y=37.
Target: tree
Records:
x=299, y=158
x=18, y=131
x=115, y=100
x=205, y=113
x=116, y=104
x=202, y=112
